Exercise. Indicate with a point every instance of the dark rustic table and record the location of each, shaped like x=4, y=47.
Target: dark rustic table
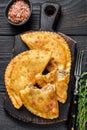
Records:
x=73, y=22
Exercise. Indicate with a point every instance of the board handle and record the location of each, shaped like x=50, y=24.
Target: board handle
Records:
x=50, y=13
x=72, y=124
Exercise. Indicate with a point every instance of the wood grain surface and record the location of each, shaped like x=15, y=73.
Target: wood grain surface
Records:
x=73, y=22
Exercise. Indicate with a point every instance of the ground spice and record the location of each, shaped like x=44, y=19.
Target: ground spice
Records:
x=18, y=11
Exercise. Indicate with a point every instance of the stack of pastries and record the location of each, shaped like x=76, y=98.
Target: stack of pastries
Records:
x=39, y=78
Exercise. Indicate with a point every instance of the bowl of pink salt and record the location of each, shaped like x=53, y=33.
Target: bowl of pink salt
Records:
x=18, y=12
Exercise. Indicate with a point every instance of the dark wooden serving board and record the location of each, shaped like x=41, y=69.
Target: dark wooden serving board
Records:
x=24, y=115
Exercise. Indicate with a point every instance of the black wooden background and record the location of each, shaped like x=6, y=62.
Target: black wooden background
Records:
x=73, y=22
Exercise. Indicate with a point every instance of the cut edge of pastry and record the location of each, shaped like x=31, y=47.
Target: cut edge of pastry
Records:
x=61, y=91
x=51, y=77
x=50, y=110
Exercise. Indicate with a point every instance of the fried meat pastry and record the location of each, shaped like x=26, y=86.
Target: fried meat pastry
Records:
x=22, y=70
x=59, y=78
x=41, y=102
x=54, y=42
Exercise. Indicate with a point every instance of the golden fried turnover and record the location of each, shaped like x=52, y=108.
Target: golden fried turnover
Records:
x=53, y=42
x=22, y=70
x=41, y=102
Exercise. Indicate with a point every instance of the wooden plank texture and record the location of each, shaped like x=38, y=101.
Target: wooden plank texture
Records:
x=6, y=52
x=73, y=19
x=81, y=41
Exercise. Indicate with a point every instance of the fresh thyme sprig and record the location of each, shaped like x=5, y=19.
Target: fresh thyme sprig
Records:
x=82, y=103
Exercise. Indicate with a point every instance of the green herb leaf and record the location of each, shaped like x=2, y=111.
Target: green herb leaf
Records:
x=82, y=103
